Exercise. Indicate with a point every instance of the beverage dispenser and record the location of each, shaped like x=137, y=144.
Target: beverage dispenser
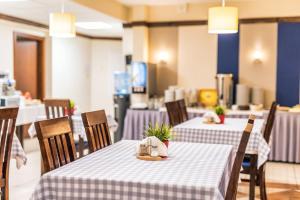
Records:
x=121, y=101
x=143, y=84
x=225, y=89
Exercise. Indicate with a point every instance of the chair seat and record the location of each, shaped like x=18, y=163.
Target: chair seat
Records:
x=246, y=162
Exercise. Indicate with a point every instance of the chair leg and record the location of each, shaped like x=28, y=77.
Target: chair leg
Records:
x=253, y=171
x=262, y=187
x=6, y=197
x=1, y=193
x=80, y=146
x=252, y=187
x=4, y=192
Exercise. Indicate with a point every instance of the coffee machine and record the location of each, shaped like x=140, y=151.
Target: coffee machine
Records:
x=224, y=83
x=143, y=84
x=121, y=100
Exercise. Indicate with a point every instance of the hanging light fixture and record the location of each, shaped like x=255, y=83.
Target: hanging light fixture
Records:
x=62, y=24
x=223, y=19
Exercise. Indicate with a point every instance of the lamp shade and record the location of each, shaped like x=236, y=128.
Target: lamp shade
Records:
x=62, y=25
x=223, y=20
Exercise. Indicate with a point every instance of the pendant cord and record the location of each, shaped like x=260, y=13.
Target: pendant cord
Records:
x=62, y=6
x=223, y=3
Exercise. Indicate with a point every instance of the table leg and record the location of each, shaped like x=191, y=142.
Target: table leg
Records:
x=80, y=146
x=19, y=133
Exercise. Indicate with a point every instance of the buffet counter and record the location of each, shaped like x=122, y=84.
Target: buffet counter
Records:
x=285, y=141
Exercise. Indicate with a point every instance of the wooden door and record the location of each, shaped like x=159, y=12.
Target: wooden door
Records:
x=26, y=67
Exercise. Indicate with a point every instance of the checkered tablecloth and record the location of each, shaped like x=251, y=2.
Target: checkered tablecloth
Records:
x=231, y=132
x=78, y=128
x=192, y=171
x=17, y=152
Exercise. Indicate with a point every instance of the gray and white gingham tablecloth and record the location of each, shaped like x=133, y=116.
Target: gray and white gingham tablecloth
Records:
x=136, y=121
x=192, y=171
x=78, y=128
x=231, y=132
x=17, y=152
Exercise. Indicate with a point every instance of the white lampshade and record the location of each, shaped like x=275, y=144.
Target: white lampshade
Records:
x=223, y=20
x=62, y=25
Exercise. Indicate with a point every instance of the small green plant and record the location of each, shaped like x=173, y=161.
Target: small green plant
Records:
x=219, y=110
x=162, y=132
x=72, y=104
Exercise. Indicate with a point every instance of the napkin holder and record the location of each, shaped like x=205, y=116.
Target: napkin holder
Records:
x=211, y=118
x=147, y=150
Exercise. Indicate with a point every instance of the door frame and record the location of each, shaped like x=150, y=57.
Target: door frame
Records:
x=41, y=59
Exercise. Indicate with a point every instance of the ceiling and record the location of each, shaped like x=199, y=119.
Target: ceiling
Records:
x=168, y=2
x=39, y=10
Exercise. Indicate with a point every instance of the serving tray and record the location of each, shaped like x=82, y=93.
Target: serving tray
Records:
x=150, y=158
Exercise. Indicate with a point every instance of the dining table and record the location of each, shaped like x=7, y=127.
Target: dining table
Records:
x=198, y=131
x=191, y=171
x=136, y=121
x=285, y=135
x=18, y=153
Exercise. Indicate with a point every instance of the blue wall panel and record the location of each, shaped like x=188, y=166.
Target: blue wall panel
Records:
x=288, y=64
x=228, y=56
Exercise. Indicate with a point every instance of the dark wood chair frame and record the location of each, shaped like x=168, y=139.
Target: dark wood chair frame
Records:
x=257, y=176
x=56, y=142
x=8, y=118
x=97, y=130
x=56, y=108
x=183, y=110
x=177, y=112
x=234, y=177
x=59, y=108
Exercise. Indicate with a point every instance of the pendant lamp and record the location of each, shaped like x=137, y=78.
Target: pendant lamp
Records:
x=62, y=24
x=223, y=19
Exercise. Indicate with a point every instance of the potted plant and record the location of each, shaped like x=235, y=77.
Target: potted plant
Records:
x=162, y=132
x=72, y=109
x=220, y=111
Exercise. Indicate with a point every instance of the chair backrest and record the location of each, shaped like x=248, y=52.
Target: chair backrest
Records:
x=57, y=108
x=56, y=142
x=234, y=178
x=270, y=122
x=183, y=110
x=177, y=112
x=96, y=128
x=8, y=118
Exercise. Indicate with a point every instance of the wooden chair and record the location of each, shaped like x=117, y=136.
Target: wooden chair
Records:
x=183, y=110
x=96, y=129
x=56, y=142
x=177, y=112
x=234, y=178
x=257, y=177
x=56, y=108
x=8, y=118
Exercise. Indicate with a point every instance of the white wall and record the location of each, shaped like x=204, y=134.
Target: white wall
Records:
x=197, y=57
x=127, y=42
x=261, y=38
x=106, y=58
x=79, y=68
x=6, y=49
x=7, y=30
x=71, y=65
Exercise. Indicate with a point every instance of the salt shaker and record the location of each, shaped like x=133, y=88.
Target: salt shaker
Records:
x=154, y=152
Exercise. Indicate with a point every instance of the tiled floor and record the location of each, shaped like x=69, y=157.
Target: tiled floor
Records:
x=283, y=180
